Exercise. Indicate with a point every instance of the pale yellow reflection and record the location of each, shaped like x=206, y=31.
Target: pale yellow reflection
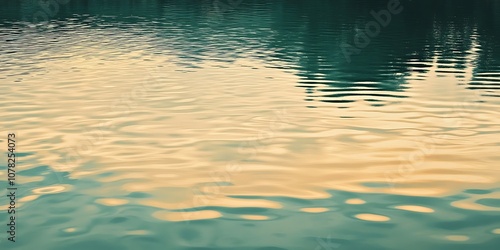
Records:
x=29, y=198
x=112, y=201
x=457, y=238
x=187, y=216
x=372, y=217
x=355, y=201
x=70, y=230
x=181, y=129
x=221, y=201
x=51, y=189
x=314, y=209
x=254, y=217
x=413, y=208
x=137, y=232
x=471, y=203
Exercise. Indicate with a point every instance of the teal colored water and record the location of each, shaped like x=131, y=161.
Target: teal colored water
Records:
x=259, y=125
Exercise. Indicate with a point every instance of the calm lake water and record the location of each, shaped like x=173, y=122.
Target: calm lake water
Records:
x=263, y=125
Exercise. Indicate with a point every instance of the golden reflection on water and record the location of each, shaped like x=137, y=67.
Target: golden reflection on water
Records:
x=471, y=203
x=112, y=202
x=51, y=189
x=254, y=217
x=372, y=217
x=355, y=201
x=29, y=198
x=213, y=201
x=186, y=216
x=138, y=232
x=457, y=238
x=186, y=127
x=70, y=230
x=192, y=138
x=314, y=209
x=413, y=208
x=131, y=128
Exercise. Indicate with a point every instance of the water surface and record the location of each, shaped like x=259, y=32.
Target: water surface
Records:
x=243, y=125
